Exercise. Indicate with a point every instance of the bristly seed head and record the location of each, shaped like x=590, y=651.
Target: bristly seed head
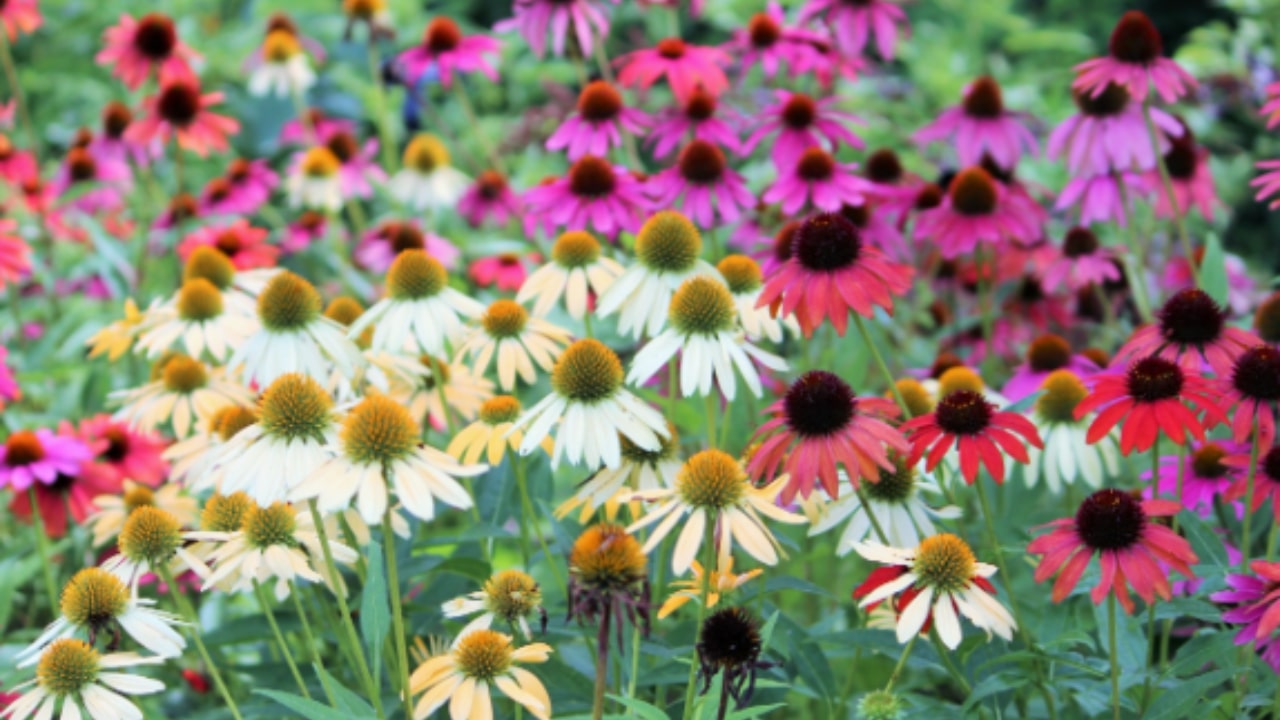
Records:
x=605, y=557
x=1079, y=242
x=288, y=303
x=599, y=101
x=893, y=486
x=916, y=397
x=1110, y=520
x=1110, y=102
x=799, y=112
x=483, y=655
x=587, y=372
x=1153, y=378
x=973, y=192
x=702, y=306
x=184, y=375
x=1207, y=462
x=66, y=667
x=575, y=249
x=1063, y=391
x=425, y=154
x=199, y=300
x=271, y=526
x=712, y=480
x=230, y=420
x=742, y=274
x=511, y=595
x=668, y=243
x=1266, y=321
x=442, y=35
x=826, y=242
x=1048, y=352
x=883, y=166
x=592, y=177
x=730, y=639
x=155, y=36
x=415, y=275
x=225, y=513
x=763, y=31
x=150, y=535
x=960, y=377
x=23, y=447
x=344, y=310
x=208, y=263
x=1256, y=375
x=500, y=409
x=964, y=412
x=379, y=431
x=945, y=563
x=816, y=165
x=818, y=403
x=505, y=319
x=94, y=598
x=1135, y=39
x=296, y=407
x=702, y=163
x=984, y=99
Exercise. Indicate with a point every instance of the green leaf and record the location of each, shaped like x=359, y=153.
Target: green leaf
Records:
x=1206, y=544
x=640, y=708
x=1182, y=697
x=375, y=613
x=309, y=709
x=1213, y=270
x=346, y=699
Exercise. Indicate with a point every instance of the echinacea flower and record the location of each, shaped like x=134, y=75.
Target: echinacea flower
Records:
x=372, y=13
x=152, y=541
x=191, y=457
x=433, y=387
x=15, y=253
x=113, y=509
x=583, y=18
x=1135, y=61
x=694, y=116
x=1197, y=478
x=593, y=194
x=36, y=456
x=510, y=596
x=358, y=169
x=589, y=401
x=1109, y=134
x=245, y=187
x=421, y=313
x=578, y=267
x=1083, y=262
x=136, y=47
x=308, y=229
x=818, y=424
x=1067, y=455
x=1254, y=596
x=1190, y=178
x=893, y=503
x=179, y=111
x=1266, y=479
x=980, y=433
x=831, y=272
x=462, y=677
x=20, y=17
x=976, y=210
x=183, y=393
x=1251, y=394
x=684, y=66
x=198, y=322
x=245, y=245
x=982, y=126
x=427, y=180
x=855, y=23
x=491, y=435
x=597, y=124
x=931, y=585
x=816, y=179
x=489, y=199
x=503, y=271
x=379, y=247
x=640, y=470
x=721, y=584
x=702, y=184
x=1133, y=548
x=766, y=40
x=506, y=333
x=801, y=122
x=71, y=673
x=16, y=166
x=281, y=66
x=713, y=491
x=1179, y=273
x=745, y=281
x=1101, y=198
x=98, y=184
x=729, y=646
x=1045, y=355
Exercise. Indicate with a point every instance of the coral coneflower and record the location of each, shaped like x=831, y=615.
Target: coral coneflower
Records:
x=20, y=17
x=180, y=111
x=702, y=184
x=802, y=122
x=245, y=245
x=136, y=47
x=597, y=125
x=979, y=432
x=15, y=253
x=977, y=210
x=685, y=67
x=504, y=271
x=982, y=126
x=1152, y=396
x=1135, y=60
x=1251, y=394
x=1191, y=329
x=593, y=194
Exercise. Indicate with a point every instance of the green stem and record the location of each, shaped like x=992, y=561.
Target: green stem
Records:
x=193, y=626
x=710, y=403
x=586, y=325
x=284, y=645
x=866, y=506
x=473, y=122
x=1178, y=220
x=1136, y=278
x=708, y=563
x=19, y=337
x=313, y=648
x=880, y=363
x=945, y=654
x=1115, y=659
x=528, y=513
x=1248, y=501
x=635, y=661
x=397, y=612
x=902, y=661
x=380, y=115
x=42, y=545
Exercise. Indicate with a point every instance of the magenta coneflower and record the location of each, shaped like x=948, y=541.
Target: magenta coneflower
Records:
x=1109, y=134
x=980, y=125
x=975, y=210
x=708, y=185
x=489, y=199
x=1045, y=355
x=1132, y=549
x=1082, y=262
x=817, y=179
x=685, y=67
x=592, y=194
x=767, y=41
x=1099, y=198
x=309, y=227
x=1257, y=608
x=109, y=179
x=445, y=48
x=244, y=245
x=246, y=186
x=1266, y=480
x=818, y=424
x=802, y=123
x=533, y=18
x=1268, y=183
x=1251, y=394
x=696, y=115
x=1134, y=61
x=597, y=125
x=980, y=433
x=854, y=22
x=380, y=246
x=358, y=164
x=15, y=253
x=111, y=143
x=1152, y=396
x=28, y=457
x=16, y=166
x=20, y=17
x=1191, y=177
x=1191, y=329
x=317, y=125
x=135, y=47
x=1202, y=475
x=896, y=190
x=831, y=271
x=179, y=111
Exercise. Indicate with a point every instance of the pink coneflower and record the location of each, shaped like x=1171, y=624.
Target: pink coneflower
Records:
x=112, y=144
x=1082, y=262
x=708, y=185
x=9, y=388
x=697, y=115
x=182, y=208
x=816, y=178
x=380, y=246
x=1191, y=177
x=16, y=165
x=504, y=271
x=1251, y=393
x=854, y=22
x=1152, y=396
x=31, y=457
x=1203, y=474
x=896, y=191
x=597, y=125
x=1266, y=480
x=818, y=424
x=489, y=199
x=592, y=194
x=685, y=67
x=878, y=229
x=980, y=125
x=1256, y=601
x=20, y=17
x=980, y=433
x=1131, y=548
x=1045, y=355
x=111, y=178
x=309, y=227
x=779, y=250
x=317, y=125
x=831, y=271
x=246, y=246
x=136, y=47
x=357, y=164
x=1190, y=329
x=767, y=41
x=125, y=452
x=533, y=18
x=246, y=186
x=802, y=123
x=15, y=253
x=179, y=111
x=1268, y=183
x=1109, y=134
x=445, y=48
x=976, y=210
x=1099, y=198
x=1134, y=60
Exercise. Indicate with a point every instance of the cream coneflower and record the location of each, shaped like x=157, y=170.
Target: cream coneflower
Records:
x=510, y=597
x=667, y=250
x=152, y=541
x=491, y=435
x=315, y=181
x=115, y=339
x=1068, y=455
x=639, y=470
x=72, y=674
x=895, y=504
x=593, y=408
x=221, y=514
x=578, y=268
x=190, y=458
x=199, y=321
x=713, y=487
x=239, y=288
x=421, y=313
x=277, y=543
x=97, y=602
x=183, y=393
x=518, y=341
x=295, y=435
x=295, y=337
x=463, y=677
x=723, y=582
x=283, y=67
x=703, y=328
x=377, y=452
x=432, y=387
x=745, y=280
x=114, y=510
x=428, y=181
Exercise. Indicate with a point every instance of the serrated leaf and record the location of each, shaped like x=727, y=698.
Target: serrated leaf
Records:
x=309, y=709
x=1175, y=702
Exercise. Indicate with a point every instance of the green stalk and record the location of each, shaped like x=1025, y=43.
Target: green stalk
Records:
x=880, y=363
x=42, y=545
x=284, y=645
x=313, y=649
x=1115, y=660
x=11, y=76
x=602, y=664
x=528, y=512
x=380, y=115
x=709, y=562
x=902, y=661
x=193, y=627
x=710, y=403
x=1248, y=502
x=397, y=612
x=1165, y=180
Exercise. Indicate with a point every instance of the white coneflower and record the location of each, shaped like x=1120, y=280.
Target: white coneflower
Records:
x=519, y=342
x=427, y=181
x=183, y=393
x=667, y=249
x=295, y=435
x=593, y=408
x=1068, y=455
x=463, y=676
x=704, y=330
x=379, y=452
x=577, y=265
x=295, y=337
x=421, y=313
x=962, y=378
x=198, y=321
x=97, y=602
x=284, y=68
x=315, y=181
x=189, y=459
x=239, y=288
x=114, y=510
x=745, y=281
x=639, y=470
x=430, y=387
x=152, y=541
x=491, y=435
x=222, y=514
x=510, y=596
x=72, y=674
x=895, y=504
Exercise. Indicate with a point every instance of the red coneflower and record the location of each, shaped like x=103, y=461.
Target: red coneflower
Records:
x=180, y=111
x=979, y=432
x=1190, y=329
